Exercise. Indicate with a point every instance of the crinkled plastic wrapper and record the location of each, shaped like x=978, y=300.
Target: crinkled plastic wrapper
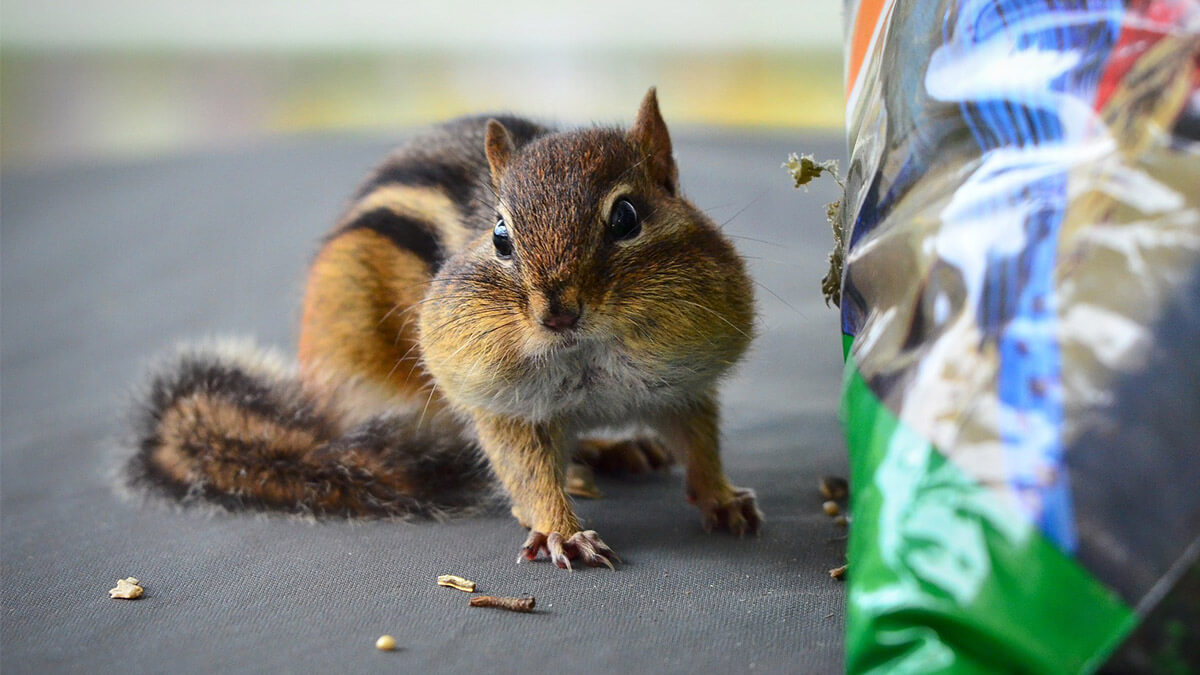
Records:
x=1021, y=317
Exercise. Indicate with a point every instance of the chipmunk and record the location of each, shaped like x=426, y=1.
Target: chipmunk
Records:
x=495, y=286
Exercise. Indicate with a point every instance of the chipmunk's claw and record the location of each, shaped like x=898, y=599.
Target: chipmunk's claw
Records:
x=586, y=547
x=737, y=512
x=535, y=544
x=558, y=555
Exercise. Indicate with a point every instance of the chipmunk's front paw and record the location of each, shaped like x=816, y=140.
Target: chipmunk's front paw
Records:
x=585, y=547
x=736, y=511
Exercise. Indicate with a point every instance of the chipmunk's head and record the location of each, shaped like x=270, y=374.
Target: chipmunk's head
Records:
x=596, y=261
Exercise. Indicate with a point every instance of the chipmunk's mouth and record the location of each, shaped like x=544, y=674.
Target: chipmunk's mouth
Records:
x=558, y=343
x=590, y=338
x=552, y=346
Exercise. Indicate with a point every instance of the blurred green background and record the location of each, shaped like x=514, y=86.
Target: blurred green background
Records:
x=84, y=80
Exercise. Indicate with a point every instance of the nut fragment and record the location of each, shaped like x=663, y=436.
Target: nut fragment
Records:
x=831, y=508
x=385, y=643
x=456, y=582
x=838, y=572
x=833, y=487
x=511, y=604
x=127, y=589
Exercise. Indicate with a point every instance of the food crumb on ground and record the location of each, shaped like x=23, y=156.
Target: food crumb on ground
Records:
x=385, y=643
x=127, y=589
x=454, y=581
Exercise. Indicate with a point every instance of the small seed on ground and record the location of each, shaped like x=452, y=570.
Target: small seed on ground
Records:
x=385, y=643
x=831, y=508
x=834, y=487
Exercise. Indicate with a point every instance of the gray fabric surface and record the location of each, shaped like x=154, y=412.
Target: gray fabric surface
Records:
x=104, y=267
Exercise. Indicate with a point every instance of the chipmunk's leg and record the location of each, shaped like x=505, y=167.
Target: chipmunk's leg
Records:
x=528, y=459
x=693, y=435
x=630, y=456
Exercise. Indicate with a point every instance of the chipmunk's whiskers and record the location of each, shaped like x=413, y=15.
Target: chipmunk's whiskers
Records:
x=714, y=313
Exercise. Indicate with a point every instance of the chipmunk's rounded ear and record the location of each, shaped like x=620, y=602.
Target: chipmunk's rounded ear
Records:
x=649, y=132
x=498, y=145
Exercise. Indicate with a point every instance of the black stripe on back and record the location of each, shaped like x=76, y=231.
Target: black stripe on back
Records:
x=406, y=232
x=458, y=174
x=455, y=179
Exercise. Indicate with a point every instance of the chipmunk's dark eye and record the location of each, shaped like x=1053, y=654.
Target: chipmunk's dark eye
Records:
x=623, y=221
x=501, y=240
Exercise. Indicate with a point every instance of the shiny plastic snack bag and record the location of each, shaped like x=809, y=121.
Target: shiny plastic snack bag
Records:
x=1021, y=315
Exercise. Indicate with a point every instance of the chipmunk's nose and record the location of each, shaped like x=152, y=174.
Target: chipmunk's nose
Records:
x=560, y=320
x=561, y=310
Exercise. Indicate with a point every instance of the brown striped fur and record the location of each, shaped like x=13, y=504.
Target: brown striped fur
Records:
x=356, y=319
x=419, y=341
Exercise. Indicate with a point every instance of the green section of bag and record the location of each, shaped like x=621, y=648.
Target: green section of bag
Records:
x=944, y=577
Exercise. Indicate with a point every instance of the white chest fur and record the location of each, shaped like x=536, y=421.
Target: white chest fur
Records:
x=590, y=384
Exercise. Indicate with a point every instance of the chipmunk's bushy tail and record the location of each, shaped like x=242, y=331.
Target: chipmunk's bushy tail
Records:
x=234, y=427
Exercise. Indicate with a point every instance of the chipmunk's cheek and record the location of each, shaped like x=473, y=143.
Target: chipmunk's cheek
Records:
x=470, y=348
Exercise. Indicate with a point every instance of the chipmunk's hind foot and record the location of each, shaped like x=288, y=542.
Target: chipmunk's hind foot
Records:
x=736, y=511
x=629, y=457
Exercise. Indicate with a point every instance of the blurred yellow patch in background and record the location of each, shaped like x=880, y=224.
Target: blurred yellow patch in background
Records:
x=80, y=82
